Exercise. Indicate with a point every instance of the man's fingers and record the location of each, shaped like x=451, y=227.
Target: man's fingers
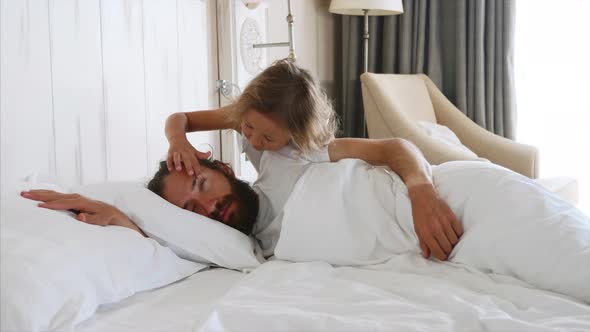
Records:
x=82, y=217
x=443, y=241
x=31, y=195
x=450, y=233
x=67, y=204
x=57, y=205
x=427, y=239
x=40, y=191
x=435, y=248
x=455, y=224
x=88, y=218
x=449, y=227
x=457, y=227
x=425, y=251
x=46, y=195
x=63, y=204
x=438, y=252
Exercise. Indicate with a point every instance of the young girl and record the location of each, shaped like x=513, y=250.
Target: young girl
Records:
x=285, y=111
x=282, y=105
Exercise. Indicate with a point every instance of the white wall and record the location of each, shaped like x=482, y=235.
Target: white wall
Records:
x=86, y=85
x=314, y=32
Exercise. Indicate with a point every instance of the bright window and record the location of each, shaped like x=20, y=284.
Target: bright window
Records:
x=552, y=69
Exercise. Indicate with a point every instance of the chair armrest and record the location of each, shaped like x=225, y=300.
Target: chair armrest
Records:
x=384, y=121
x=518, y=157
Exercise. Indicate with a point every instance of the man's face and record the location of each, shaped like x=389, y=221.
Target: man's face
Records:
x=207, y=193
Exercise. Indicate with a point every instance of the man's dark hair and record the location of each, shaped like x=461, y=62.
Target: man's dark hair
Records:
x=244, y=196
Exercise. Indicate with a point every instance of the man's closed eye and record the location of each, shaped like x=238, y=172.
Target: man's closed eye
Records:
x=199, y=183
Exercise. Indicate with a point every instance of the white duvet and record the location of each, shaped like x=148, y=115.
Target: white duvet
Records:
x=408, y=293
x=349, y=213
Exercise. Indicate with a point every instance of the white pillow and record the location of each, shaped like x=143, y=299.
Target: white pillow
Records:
x=189, y=235
x=55, y=270
x=445, y=136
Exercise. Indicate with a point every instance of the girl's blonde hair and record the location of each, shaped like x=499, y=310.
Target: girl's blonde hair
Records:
x=294, y=94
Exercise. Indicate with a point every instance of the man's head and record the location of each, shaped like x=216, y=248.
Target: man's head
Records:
x=213, y=192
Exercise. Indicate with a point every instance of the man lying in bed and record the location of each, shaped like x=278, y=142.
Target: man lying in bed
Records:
x=437, y=227
x=215, y=193
x=350, y=213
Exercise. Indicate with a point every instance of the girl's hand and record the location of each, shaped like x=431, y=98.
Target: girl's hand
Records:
x=182, y=152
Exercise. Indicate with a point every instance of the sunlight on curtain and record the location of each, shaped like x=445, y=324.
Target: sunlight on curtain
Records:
x=552, y=72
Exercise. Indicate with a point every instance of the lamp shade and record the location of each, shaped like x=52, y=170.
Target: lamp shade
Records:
x=374, y=7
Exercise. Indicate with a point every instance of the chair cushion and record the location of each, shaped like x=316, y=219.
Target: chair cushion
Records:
x=445, y=136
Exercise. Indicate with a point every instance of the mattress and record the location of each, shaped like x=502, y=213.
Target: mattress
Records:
x=176, y=307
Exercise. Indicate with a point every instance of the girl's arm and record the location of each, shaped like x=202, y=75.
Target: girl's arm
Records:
x=178, y=124
x=435, y=224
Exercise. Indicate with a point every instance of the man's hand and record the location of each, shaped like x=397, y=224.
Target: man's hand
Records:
x=435, y=224
x=87, y=210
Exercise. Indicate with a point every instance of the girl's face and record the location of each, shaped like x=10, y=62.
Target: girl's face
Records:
x=265, y=131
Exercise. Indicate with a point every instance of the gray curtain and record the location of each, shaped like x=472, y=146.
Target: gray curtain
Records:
x=464, y=46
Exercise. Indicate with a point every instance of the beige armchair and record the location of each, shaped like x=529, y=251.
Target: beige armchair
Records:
x=396, y=104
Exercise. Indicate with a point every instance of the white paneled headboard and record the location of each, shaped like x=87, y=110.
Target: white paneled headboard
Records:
x=87, y=85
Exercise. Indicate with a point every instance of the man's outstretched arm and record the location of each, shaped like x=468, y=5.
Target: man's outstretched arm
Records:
x=435, y=224
x=87, y=210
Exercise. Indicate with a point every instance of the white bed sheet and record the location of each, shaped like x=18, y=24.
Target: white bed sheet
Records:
x=176, y=307
x=408, y=293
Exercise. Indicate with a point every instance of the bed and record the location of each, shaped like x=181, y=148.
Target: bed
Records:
x=407, y=293
x=176, y=307
x=58, y=275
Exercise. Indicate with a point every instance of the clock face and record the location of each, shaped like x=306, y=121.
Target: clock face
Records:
x=251, y=57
